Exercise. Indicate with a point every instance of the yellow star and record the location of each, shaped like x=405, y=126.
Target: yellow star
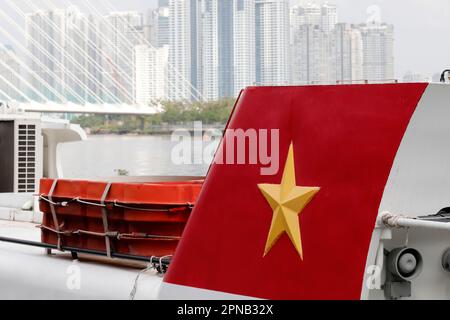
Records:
x=287, y=201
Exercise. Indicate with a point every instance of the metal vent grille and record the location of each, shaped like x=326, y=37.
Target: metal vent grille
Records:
x=27, y=158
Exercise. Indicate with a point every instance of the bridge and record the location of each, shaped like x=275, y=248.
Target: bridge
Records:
x=110, y=109
x=81, y=65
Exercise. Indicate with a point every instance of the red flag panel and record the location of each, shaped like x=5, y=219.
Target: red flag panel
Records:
x=345, y=140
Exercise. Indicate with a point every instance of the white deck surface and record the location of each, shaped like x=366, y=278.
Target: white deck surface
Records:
x=29, y=273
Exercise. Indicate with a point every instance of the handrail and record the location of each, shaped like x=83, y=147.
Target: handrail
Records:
x=160, y=264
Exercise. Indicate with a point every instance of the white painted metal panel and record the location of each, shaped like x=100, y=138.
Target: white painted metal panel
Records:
x=28, y=273
x=419, y=185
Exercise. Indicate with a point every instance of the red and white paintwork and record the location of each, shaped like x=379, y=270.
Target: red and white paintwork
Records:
x=370, y=148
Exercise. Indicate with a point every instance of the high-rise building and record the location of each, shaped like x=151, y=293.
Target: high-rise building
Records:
x=42, y=41
x=378, y=51
x=244, y=45
x=313, y=56
x=226, y=47
x=64, y=55
x=215, y=48
x=217, y=34
x=309, y=14
x=94, y=50
x=81, y=55
x=207, y=49
x=227, y=33
x=123, y=31
x=159, y=19
x=272, y=42
x=185, y=49
x=313, y=43
x=323, y=50
x=150, y=72
x=209, y=23
x=328, y=18
x=10, y=82
x=349, y=53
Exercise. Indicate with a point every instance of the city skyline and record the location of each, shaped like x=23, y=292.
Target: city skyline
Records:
x=418, y=24
x=209, y=44
x=414, y=21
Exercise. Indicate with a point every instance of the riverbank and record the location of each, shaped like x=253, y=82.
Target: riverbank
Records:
x=162, y=130
x=174, y=116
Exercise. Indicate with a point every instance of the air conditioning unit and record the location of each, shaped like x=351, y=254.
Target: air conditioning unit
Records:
x=21, y=149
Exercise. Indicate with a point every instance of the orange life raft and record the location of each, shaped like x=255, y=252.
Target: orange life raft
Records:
x=132, y=219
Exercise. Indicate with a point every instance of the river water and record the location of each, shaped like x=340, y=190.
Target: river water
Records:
x=102, y=156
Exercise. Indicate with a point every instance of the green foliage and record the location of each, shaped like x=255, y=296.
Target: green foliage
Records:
x=207, y=112
x=174, y=113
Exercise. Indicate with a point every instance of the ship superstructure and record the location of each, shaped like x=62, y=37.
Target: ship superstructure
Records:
x=347, y=197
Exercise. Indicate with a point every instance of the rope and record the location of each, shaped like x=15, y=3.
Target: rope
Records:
x=105, y=220
x=59, y=204
x=116, y=204
x=147, y=237
x=107, y=234
x=112, y=234
x=178, y=208
x=391, y=220
x=91, y=203
x=54, y=215
x=66, y=233
x=160, y=268
x=150, y=267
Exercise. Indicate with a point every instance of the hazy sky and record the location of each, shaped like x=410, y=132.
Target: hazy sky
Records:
x=422, y=27
x=421, y=30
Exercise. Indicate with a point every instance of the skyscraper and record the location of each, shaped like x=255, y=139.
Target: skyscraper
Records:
x=123, y=31
x=244, y=45
x=94, y=48
x=328, y=18
x=81, y=44
x=42, y=41
x=378, y=51
x=217, y=33
x=272, y=42
x=160, y=21
x=212, y=44
x=226, y=47
x=349, y=53
x=185, y=49
x=64, y=55
x=150, y=71
x=305, y=14
x=9, y=73
x=313, y=43
x=313, y=56
x=216, y=48
x=209, y=23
